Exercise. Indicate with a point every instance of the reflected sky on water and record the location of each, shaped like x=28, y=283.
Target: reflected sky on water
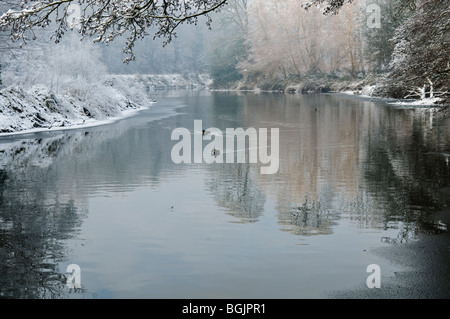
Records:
x=353, y=175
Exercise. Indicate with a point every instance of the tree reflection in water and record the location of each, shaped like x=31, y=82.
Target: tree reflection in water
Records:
x=309, y=218
x=34, y=223
x=234, y=188
x=371, y=166
x=403, y=173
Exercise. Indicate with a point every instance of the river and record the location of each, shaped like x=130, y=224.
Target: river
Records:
x=353, y=176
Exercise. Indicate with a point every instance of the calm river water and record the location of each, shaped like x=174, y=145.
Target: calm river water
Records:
x=353, y=176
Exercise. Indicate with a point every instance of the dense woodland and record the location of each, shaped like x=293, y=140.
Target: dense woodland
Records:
x=404, y=52
x=400, y=47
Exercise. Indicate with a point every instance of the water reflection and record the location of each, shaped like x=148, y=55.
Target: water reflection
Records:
x=401, y=177
x=310, y=218
x=340, y=160
x=33, y=228
x=234, y=188
x=45, y=182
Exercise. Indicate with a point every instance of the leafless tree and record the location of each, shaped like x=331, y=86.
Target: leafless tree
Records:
x=107, y=20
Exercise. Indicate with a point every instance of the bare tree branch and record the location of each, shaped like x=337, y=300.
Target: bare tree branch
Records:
x=107, y=20
x=333, y=6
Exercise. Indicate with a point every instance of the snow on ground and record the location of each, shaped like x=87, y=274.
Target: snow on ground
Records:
x=366, y=91
x=39, y=108
x=173, y=81
x=422, y=102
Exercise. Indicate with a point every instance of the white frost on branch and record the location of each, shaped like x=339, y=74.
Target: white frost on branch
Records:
x=107, y=20
x=426, y=93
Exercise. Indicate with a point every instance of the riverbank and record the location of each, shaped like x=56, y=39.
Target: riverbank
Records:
x=40, y=108
x=372, y=87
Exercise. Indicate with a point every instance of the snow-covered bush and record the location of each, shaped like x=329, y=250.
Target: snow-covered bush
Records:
x=62, y=85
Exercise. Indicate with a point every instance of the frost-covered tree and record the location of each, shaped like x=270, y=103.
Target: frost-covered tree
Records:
x=229, y=46
x=107, y=20
x=287, y=42
x=73, y=65
x=5, y=46
x=187, y=53
x=333, y=6
x=421, y=57
x=378, y=47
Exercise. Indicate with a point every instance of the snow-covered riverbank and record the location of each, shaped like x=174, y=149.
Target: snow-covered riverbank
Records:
x=369, y=88
x=430, y=104
x=39, y=108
